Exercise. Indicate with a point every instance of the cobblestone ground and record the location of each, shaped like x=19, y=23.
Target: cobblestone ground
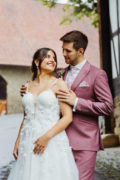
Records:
x=108, y=163
x=100, y=176
x=4, y=171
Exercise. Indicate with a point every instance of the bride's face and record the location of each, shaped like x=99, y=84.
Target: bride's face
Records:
x=49, y=63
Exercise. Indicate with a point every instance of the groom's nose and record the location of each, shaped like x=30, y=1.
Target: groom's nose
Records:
x=64, y=53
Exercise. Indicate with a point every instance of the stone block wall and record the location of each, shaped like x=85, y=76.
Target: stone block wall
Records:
x=116, y=115
x=3, y=107
x=15, y=76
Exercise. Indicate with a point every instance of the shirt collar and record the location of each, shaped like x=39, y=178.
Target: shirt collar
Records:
x=79, y=66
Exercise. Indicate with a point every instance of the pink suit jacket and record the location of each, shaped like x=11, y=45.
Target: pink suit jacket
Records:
x=94, y=99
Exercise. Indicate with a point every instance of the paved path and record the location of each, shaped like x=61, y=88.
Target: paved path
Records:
x=99, y=176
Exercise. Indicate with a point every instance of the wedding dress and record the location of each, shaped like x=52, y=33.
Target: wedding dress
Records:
x=57, y=162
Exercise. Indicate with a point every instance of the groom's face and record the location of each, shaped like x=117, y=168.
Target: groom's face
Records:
x=69, y=53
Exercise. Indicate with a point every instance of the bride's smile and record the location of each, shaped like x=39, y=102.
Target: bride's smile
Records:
x=48, y=63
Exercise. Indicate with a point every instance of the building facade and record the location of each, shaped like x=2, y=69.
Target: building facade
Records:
x=109, y=12
x=14, y=77
x=25, y=27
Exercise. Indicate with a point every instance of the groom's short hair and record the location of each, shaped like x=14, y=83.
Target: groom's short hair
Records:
x=79, y=39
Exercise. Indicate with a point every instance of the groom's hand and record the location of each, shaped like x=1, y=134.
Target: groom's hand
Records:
x=23, y=90
x=67, y=97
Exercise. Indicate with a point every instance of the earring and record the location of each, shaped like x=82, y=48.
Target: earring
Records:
x=37, y=66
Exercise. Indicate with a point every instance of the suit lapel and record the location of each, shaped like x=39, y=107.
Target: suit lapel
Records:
x=84, y=71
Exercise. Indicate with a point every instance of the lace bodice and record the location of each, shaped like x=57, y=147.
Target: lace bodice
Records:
x=44, y=106
x=56, y=163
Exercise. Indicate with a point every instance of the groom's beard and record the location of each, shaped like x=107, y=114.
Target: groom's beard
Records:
x=72, y=60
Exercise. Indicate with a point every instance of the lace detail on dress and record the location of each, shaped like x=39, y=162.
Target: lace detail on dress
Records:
x=57, y=162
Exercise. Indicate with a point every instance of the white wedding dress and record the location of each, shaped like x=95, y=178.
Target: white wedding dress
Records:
x=57, y=162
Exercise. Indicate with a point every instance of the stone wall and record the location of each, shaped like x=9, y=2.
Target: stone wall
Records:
x=3, y=107
x=15, y=77
x=117, y=116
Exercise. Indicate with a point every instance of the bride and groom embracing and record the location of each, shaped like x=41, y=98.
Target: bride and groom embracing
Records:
x=54, y=147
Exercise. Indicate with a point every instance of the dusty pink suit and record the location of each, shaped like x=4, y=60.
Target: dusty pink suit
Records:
x=92, y=89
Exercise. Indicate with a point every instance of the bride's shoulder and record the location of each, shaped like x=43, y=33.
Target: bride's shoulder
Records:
x=62, y=84
x=28, y=84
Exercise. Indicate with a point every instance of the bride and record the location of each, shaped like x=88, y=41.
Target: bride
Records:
x=42, y=148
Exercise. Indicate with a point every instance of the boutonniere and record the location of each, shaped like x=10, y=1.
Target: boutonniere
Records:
x=60, y=73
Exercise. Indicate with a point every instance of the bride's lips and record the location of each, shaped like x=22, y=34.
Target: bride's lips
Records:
x=51, y=64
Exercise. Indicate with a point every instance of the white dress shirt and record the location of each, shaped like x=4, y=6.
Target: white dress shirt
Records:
x=71, y=75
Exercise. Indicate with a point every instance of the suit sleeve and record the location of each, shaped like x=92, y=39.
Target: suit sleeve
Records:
x=103, y=104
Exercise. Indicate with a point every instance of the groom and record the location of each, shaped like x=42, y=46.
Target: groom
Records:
x=90, y=97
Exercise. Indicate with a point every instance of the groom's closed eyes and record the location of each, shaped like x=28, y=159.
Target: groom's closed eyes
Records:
x=67, y=50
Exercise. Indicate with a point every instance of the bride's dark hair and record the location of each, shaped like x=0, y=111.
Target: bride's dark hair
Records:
x=40, y=54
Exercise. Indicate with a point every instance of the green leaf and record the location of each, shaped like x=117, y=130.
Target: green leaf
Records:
x=48, y=4
x=66, y=20
x=76, y=9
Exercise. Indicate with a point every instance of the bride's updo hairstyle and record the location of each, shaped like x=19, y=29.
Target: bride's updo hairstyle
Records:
x=40, y=54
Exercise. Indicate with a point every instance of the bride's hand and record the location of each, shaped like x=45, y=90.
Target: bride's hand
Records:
x=15, y=151
x=41, y=144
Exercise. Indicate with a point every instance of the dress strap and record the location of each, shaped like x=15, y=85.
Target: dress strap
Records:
x=54, y=83
x=27, y=86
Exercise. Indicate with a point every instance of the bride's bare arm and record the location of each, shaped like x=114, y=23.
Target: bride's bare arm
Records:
x=15, y=151
x=62, y=124
x=66, y=119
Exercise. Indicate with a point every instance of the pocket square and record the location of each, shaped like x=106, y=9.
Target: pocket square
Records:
x=84, y=84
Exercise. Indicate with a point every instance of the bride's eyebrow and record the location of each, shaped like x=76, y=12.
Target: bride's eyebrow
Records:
x=50, y=56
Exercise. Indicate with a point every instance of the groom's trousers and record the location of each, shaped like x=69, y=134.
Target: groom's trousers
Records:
x=85, y=161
